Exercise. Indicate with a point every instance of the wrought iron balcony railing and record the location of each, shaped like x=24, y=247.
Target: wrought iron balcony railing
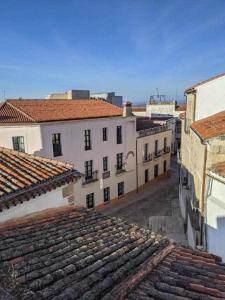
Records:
x=90, y=177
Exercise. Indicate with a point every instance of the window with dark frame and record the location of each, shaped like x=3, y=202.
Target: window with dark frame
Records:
x=156, y=147
x=90, y=202
x=164, y=166
x=119, y=161
x=87, y=139
x=106, y=194
x=119, y=134
x=104, y=134
x=165, y=143
x=56, y=144
x=120, y=188
x=18, y=143
x=105, y=163
x=156, y=171
x=88, y=168
x=146, y=151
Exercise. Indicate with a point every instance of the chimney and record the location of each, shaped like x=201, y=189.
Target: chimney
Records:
x=127, y=109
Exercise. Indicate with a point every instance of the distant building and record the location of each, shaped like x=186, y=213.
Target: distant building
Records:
x=109, y=97
x=70, y=95
x=31, y=183
x=139, y=111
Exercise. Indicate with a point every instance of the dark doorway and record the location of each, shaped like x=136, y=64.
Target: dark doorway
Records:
x=146, y=175
x=156, y=171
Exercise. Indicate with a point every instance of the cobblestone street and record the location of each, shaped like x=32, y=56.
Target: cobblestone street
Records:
x=155, y=207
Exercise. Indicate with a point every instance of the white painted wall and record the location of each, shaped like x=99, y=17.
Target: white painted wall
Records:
x=51, y=199
x=150, y=140
x=38, y=141
x=215, y=219
x=210, y=98
x=164, y=109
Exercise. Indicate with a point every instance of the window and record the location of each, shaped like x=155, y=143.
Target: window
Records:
x=105, y=163
x=106, y=194
x=119, y=134
x=18, y=143
x=56, y=144
x=120, y=188
x=90, y=202
x=156, y=147
x=165, y=143
x=88, y=166
x=119, y=161
x=146, y=151
x=164, y=166
x=87, y=139
x=104, y=134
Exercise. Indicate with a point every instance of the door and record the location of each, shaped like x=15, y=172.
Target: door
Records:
x=146, y=175
x=156, y=170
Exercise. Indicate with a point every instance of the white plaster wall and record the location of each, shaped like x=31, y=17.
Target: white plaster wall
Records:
x=39, y=142
x=51, y=199
x=150, y=139
x=139, y=113
x=216, y=219
x=210, y=98
x=166, y=109
x=31, y=133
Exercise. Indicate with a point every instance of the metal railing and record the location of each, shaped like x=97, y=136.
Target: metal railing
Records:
x=148, y=157
x=92, y=177
x=166, y=149
x=120, y=168
x=158, y=153
x=105, y=174
x=153, y=130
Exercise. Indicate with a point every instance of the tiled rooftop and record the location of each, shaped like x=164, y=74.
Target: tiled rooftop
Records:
x=24, y=176
x=33, y=111
x=189, y=89
x=184, y=274
x=211, y=126
x=72, y=253
x=219, y=168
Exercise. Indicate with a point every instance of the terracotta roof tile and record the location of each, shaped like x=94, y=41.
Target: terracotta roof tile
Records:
x=23, y=176
x=28, y=111
x=181, y=107
x=219, y=168
x=189, y=89
x=73, y=253
x=211, y=126
x=184, y=274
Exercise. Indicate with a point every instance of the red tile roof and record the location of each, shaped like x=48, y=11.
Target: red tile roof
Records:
x=211, y=126
x=189, y=89
x=24, y=176
x=29, y=111
x=219, y=168
x=73, y=253
x=181, y=107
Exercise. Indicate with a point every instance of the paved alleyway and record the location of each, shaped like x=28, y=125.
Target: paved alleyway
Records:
x=156, y=207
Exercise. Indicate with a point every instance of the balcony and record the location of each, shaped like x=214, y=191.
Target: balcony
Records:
x=151, y=131
x=88, y=179
x=105, y=174
x=166, y=150
x=158, y=154
x=147, y=158
x=120, y=168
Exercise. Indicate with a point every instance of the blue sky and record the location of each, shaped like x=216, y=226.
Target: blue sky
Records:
x=128, y=46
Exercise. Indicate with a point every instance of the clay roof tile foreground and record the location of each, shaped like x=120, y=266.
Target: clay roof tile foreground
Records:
x=211, y=126
x=33, y=111
x=191, y=88
x=74, y=253
x=24, y=176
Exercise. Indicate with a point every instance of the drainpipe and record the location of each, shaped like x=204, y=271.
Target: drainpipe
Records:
x=203, y=195
x=136, y=167
x=208, y=193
